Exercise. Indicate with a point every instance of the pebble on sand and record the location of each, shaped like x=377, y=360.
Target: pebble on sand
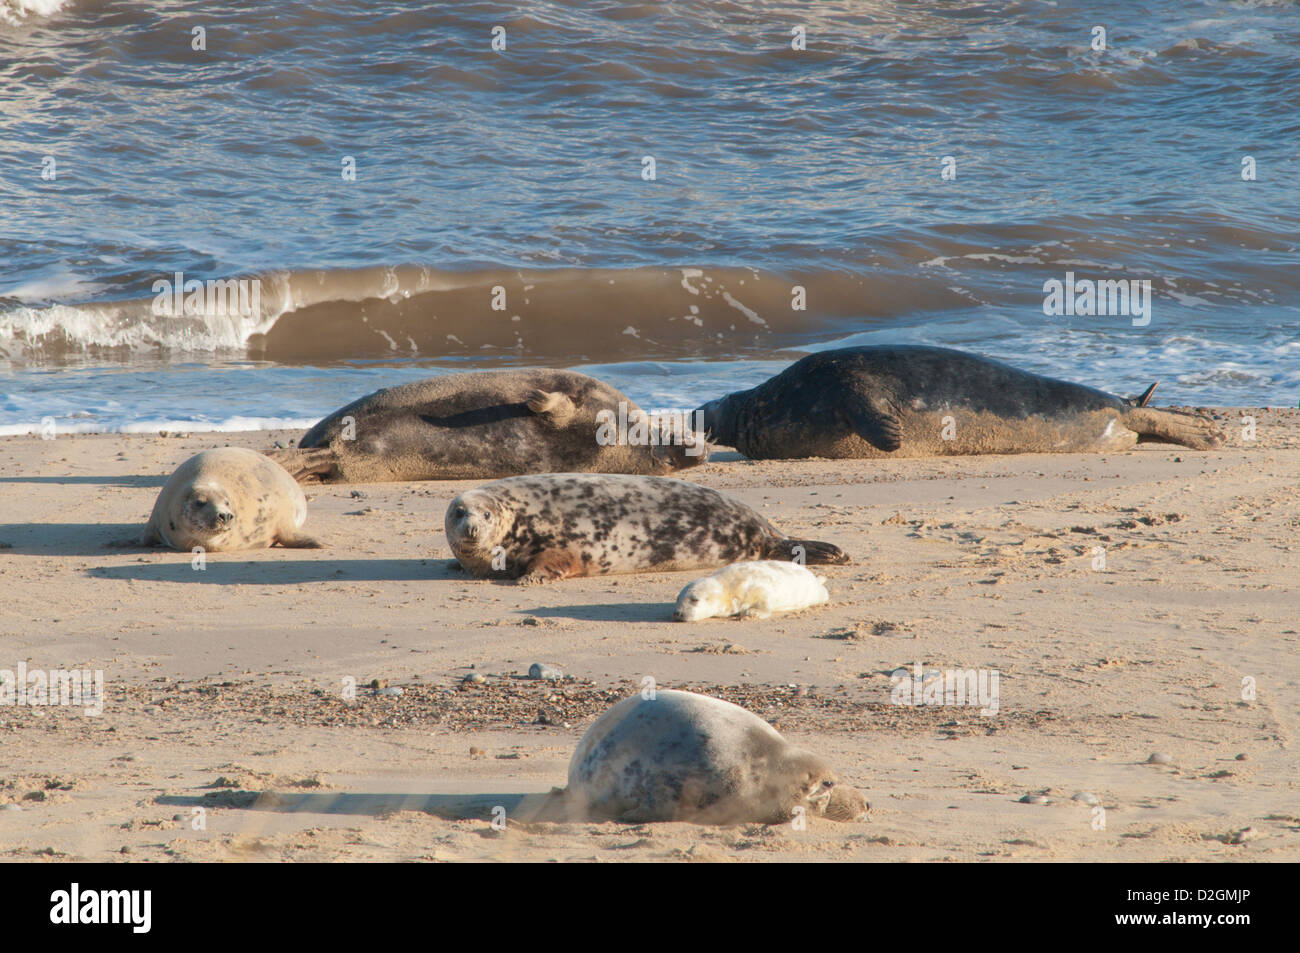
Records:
x=1035, y=799
x=1160, y=757
x=1085, y=798
x=547, y=672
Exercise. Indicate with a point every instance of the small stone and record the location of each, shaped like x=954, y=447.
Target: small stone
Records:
x=473, y=678
x=547, y=672
x=531, y=620
x=12, y=807
x=548, y=716
x=1243, y=757
x=1084, y=797
x=394, y=692
x=358, y=495
x=1243, y=835
x=378, y=683
x=1160, y=757
x=476, y=752
x=1035, y=799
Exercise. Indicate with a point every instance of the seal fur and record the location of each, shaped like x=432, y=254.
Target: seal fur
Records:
x=477, y=425
x=552, y=526
x=912, y=401
x=680, y=756
x=228, y=499
x=751, y=590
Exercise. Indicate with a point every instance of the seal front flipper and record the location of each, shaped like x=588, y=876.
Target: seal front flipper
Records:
x=550, y=565
x=811, y=551
x=552, y=406
x=318, y=465
x=874, y=419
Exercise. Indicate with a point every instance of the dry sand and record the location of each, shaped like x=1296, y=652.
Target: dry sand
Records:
x=224, y=685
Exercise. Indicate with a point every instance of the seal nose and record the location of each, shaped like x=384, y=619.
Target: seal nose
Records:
x=224, y=516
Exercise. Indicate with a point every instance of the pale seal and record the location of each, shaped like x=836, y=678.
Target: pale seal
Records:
x=228, y=499
x=679, y=756
x=910, y=401
x=485, y=424
x=751, y=590
x=556, y=525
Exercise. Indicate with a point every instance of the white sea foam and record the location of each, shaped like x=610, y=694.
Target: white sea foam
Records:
x=16, y=11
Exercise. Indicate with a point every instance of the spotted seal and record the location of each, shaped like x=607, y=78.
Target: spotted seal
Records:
x=911, y=401
x=228, y=499
x=484, y=424
x=679, y=756
x=556, y=525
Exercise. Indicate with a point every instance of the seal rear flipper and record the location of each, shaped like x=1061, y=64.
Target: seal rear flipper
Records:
x=874, y=419
x=318, y=465
x=812, y=551
x=1174, y=426
x=1145, y=397
x=299, y=542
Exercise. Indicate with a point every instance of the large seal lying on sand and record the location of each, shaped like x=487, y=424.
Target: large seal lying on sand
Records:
x=482, y=424
x=688, y=757
x=229, y=499
x=556, y=525
x=930, y=401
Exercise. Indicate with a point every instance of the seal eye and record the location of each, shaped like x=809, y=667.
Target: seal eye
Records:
x=828, y=784
x=487, y=516
x=460, y=512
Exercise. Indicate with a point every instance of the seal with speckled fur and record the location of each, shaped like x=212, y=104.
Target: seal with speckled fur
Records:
x=482, y=424
x=751, y=590
x=680, y=756
x=910, y=401
x=229, y=499
x=556, y=525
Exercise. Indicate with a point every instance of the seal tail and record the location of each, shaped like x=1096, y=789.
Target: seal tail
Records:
x=307, y=466
x=1174, y=426
x=803, y=550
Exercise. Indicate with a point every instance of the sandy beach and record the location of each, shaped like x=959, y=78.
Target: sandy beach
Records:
x=226, y=735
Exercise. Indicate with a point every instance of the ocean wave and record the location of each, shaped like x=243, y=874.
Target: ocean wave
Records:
x=18, y=11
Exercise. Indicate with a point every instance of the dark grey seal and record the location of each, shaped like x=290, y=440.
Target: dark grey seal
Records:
x=483, y=424
x=912, y=401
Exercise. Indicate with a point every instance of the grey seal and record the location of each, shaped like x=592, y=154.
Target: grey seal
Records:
x=228, y=499
x=556, y=525
x=913, y=401
x=479, y=425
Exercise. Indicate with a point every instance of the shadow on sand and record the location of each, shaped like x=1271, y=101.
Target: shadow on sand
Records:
x=548, y=806
x=69, y=539
x=121, y=480
x=634, y=612
x=223, y=570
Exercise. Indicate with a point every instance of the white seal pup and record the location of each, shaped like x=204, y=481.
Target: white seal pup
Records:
x=229, y=499
x=679, y=756
x=751, y=590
